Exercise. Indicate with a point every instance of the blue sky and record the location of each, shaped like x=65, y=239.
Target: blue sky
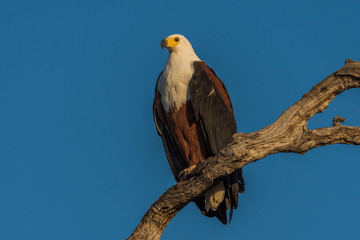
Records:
x=79, y=154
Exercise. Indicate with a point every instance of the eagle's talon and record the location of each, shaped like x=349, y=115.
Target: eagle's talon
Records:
x=183, y=175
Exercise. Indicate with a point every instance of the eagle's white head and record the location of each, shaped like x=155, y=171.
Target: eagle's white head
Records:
x=177, y=44
x=178, y=71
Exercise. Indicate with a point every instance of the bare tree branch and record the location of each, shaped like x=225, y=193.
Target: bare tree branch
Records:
x=288, y=133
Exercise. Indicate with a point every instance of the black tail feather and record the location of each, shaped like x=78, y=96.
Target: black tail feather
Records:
x=234, y=184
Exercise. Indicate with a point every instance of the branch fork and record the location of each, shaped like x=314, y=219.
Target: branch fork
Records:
x=288, y=133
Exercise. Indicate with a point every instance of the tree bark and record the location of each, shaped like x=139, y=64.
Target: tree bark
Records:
x=288, y=133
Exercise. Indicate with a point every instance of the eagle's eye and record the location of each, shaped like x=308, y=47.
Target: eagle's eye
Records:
x=177, y=39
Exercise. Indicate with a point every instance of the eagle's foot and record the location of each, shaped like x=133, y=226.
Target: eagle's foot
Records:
x=183, y=175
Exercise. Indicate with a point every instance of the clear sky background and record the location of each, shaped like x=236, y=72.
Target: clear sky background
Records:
x=79, y=154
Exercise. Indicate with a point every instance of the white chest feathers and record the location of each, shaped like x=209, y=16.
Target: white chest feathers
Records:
x=173, y=84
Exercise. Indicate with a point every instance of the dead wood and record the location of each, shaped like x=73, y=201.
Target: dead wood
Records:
x=288, y=133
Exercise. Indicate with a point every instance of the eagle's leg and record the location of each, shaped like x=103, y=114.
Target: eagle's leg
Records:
x=186, y=172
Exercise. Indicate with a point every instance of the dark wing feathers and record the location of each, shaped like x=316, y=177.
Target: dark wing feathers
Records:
x=209, y=107
x=159, y=123
x=213, y=109
x=172, y=153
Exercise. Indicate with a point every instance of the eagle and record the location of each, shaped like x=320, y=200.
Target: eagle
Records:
x=194, y=117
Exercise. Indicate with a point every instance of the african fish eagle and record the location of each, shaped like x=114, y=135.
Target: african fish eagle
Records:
x=193, y=115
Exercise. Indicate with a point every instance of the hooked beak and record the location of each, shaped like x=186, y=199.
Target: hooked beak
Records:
x=164, y=44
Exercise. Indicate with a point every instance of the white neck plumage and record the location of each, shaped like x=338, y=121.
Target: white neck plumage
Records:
x=173, y=83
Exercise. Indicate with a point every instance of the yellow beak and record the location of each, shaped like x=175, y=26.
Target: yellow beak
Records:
x=168, y=43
